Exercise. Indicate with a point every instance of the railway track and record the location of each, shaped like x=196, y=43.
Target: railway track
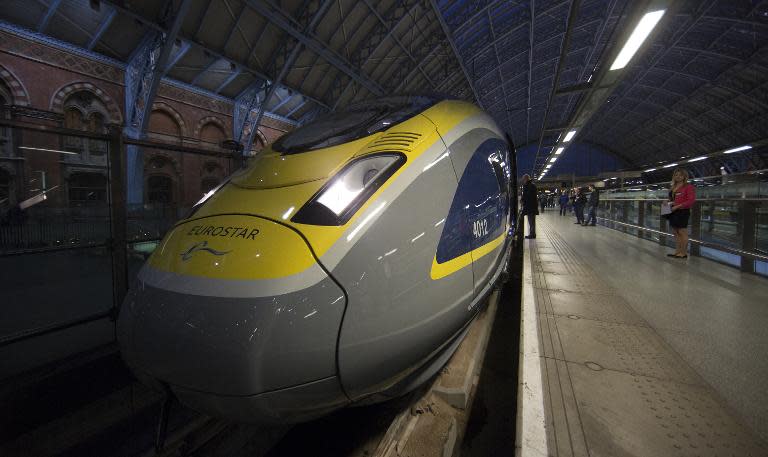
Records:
x=124, y=423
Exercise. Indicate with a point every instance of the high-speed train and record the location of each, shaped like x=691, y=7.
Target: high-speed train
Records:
x=343, y=266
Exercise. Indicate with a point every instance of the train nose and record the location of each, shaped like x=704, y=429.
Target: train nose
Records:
x=231, y=311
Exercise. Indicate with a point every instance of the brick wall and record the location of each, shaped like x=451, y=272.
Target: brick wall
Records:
x=42, y=75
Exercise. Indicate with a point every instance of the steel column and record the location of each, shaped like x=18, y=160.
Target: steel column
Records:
x=118, y=218
x=145, y=70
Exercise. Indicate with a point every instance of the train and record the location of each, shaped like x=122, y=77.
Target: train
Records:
x=341, y=267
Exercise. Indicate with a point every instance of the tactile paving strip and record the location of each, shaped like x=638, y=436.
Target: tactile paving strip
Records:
x=613, y=387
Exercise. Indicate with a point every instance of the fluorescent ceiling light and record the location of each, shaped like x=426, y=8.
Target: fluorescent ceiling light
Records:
x=568, y=136
x=641, y=32
x=552, y=160
x=669, y=165
x=740, y=148
x=649, y=170
x=559, y=151
x=696, y=159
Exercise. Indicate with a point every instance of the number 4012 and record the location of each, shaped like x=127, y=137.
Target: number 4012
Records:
x=480, y=228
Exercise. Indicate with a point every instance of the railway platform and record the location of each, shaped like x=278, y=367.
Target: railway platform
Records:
x=626, y=351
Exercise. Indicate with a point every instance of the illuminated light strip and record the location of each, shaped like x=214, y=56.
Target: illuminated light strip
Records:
x=670, y=165
x=552, y=160
x=641, y=32
x=569, y=136
x=49, y=150
x=649, y=170
x=696, y=159
x=559, y=151
x=441, y=270
x=366, y=221
x=740, y=148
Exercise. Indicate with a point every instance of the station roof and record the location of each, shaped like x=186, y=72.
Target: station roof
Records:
x=540, y=67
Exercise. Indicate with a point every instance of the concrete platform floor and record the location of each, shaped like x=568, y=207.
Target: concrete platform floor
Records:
x=641, y=354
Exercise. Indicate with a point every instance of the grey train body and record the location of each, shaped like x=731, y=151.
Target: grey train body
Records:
x=369, y=324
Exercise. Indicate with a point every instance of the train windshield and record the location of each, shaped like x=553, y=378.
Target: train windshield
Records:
x=354, y=123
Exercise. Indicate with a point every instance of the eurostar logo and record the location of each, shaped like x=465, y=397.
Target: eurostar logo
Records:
x=201, y=246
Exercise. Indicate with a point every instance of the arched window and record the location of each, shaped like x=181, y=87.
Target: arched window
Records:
x=97, y=124
x=164, y=127
x=85, y=111
x=87, y=189
x=211, y=134
x=159, y=189
x=73, y=119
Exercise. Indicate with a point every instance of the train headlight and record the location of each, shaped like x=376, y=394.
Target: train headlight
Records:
x=346, y=192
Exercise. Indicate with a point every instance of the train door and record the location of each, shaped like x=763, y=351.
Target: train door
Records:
x=481, y=205
x=488, y=207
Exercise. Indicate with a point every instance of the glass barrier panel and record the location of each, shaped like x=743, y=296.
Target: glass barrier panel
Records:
x=720, y=223
x=761, y=237
x=54, y=236
x=173, y=181
x=51, y=197
x=761, y=228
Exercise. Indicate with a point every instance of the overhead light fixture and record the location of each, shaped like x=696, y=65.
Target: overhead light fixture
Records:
x=740, y=148
x=552, y=160
x=559, y=150
x=696, y=159
x=568, y=136
x=649, y=170
x=669, y=165
x=641, y=32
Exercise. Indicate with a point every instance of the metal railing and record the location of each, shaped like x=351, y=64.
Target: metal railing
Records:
x=730, y=230
x=47, y=238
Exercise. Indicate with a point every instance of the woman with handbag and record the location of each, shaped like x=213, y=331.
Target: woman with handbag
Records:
x=682, y=196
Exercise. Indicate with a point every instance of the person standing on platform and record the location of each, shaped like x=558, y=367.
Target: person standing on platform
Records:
x=543, y=201
x=594, y=199
x=682, y=196
x=578, y=205
x=563, y=200
x=530, y=205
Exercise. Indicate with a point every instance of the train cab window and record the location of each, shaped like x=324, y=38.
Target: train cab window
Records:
x=356, y=122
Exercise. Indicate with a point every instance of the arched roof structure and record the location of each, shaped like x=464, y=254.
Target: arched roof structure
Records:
x=540, y=67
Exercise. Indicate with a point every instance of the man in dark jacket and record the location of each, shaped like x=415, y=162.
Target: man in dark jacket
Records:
x=594, y=199
x=530, y=205
x=578, y=205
